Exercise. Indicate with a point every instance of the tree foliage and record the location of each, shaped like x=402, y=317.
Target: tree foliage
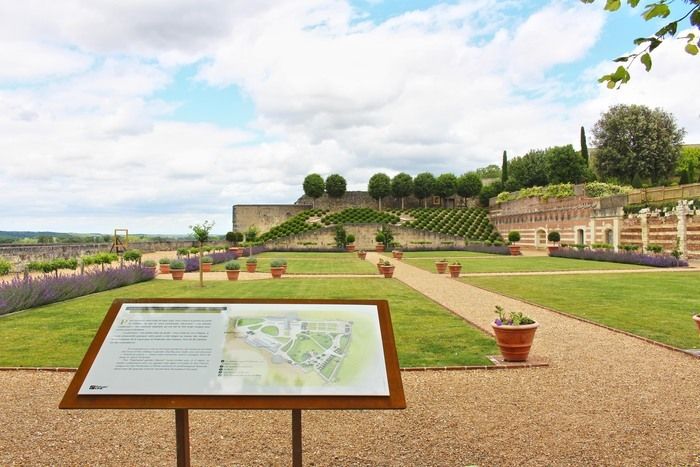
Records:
x=565, y=165
x=689, y=161
x=335, y=186
x=468, y=185
x=490, y=191
x=634, y=139
x=584, y=146
x=379, y=186
x=314, y=186
x=490, y=171
x=504, y=168
x=528, y=170
x=402, y=186
x=445, y=185
x=424, y=185
x=658, y=9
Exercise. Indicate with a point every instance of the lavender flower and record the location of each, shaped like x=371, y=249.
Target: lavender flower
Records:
x=627, y=257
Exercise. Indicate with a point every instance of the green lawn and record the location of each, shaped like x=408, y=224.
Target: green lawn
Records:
x=658, y=306
x=426, y=334
x=312, y=263
x=443, y=254
x=500, y=263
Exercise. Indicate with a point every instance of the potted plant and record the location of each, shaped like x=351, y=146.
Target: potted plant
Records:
x=276, y=268
x=164, y=265
x=183, y=252
x=150, y=265
x=553, y=237
x=177, y=269
x=350, y=243
x=514, y=334
x=207, y=261
x=284, y=265
x=362, y=254
x=514, y=236
x=387, y=269
x=379, y=238
x=696, y=317
x=233, y=269
x=455, y=269
x=441, y=266
x=380, y=263
x=397, y=253
x=251, y=264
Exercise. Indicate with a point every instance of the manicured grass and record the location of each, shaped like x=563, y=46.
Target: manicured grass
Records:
x=312, y=263
x=658, y=306
x=442, y=254
x=500, y=263
x=426, y=334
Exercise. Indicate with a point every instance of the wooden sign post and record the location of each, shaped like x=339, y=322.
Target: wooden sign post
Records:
x=186, y=354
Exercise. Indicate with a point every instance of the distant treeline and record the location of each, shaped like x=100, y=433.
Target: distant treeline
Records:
x=27, y=237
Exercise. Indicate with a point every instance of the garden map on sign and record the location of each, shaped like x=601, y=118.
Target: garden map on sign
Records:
x=241, y=349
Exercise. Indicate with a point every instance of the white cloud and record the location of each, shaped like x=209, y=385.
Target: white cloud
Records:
x=441, y=89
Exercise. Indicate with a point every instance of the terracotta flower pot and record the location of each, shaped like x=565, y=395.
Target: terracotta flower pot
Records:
x=455, y=269
x=379, y=247
x=441, y=266
x=379, y=265
x=150, y=268
x=388, y=271
x=697, y=321
x=276, y=272
x=350, y=248
x=362, y=255
x=165, y=268
x=251, y=267
x=397, y=254
x=177, y=274
x=233, y=275
x=206, y=267
x=515, y=341
x=284, y=269
x=552, y=248
x=514, y=250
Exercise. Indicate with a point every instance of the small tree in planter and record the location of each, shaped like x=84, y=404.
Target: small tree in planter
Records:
x=150, y=264
x=384, y=238
x=183, y=252
x=201, y=234
x=276, y=268
x=350, y=242
x=341, y=236
x=387, y=269
x=164, y=265
x=177, y=269
x=553, y=237
x=233, y=269
x=362, y=254
x=251, y=264
x=455, y=269
x=441, y=266
x=132, y=256
x=514, y=236
x=206, y=263
x=514, y=334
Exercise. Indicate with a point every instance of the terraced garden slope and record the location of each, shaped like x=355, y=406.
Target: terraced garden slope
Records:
x=471, y=223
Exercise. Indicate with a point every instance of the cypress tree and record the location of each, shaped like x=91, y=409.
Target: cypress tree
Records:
x=584, y=146
x=504, y=168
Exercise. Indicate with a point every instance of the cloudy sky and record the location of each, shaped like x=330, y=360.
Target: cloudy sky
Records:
x=154, y=115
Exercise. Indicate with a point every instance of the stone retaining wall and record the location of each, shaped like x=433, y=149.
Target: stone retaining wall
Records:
x=364, y=238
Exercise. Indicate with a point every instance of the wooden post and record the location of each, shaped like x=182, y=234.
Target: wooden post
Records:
x=182, y=436
x=296, y=437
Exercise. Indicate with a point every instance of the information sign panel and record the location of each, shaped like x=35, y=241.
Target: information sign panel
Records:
x=221, y=353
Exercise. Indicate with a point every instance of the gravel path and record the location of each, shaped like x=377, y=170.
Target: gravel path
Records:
x=605, y=399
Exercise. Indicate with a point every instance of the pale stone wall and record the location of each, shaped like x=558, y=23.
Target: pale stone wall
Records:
x=364, y=238
x=264, y=216
x=19, y=255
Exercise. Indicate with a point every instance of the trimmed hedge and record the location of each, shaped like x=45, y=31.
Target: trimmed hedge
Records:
x=628, y=257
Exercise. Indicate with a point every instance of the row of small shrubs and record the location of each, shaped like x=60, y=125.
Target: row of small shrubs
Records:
x=471, y=223
x=628, y=257
x=494, y=248
x=195, y=250
x=22, y=293
x=360, y=216
x=192, y=263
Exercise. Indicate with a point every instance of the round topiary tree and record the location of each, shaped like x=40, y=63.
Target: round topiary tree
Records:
x=335, y=186
x=513, y=236
x=554, y=236
x=469, y=185
x=424, y=186
x=379, y=186
x=445, y=186
x=314, y=186
x=402, y=186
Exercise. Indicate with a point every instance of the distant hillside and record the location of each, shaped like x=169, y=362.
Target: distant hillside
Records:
x=30, y=234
